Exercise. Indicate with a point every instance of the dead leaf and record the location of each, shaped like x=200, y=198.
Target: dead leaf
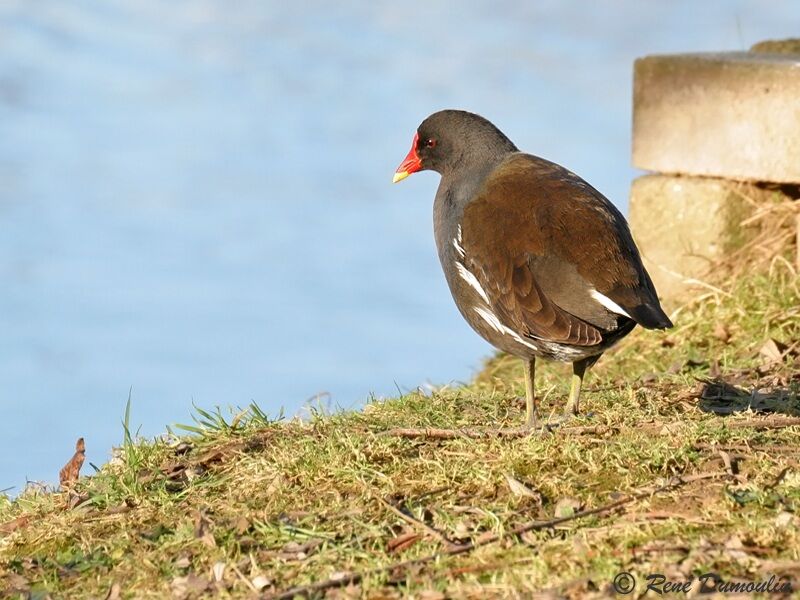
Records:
x=648, y=378
x=734, y=548
x=675, y=367
x=778, y=479
x=530, y=538
x=75, y=499
x=17, y=583
x=297, y=551
x=171, y=470
x=274, y=486
x=292, y=548
x=242, y=525
x=218, y=570
x=431, y=595
x=68, y=475
x=402, y=542
x=670, y=429
x=772, y=351
x=714, y=371
x=114, y=592
x=202, y=530
x=191, y=584
x=722, y=333
x=485, y=537
x=120, y=509
x=210, y=457
x=260, y=582
x=463, y=529
x=521, y=490
x=182, y=448
x=726, y=460
x=18, y=523
x=566, y=507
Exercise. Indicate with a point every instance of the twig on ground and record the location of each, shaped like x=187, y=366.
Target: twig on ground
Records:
x=729, y=423
x=343, y=579
x=418, y=523
x=747, y=448
x=435, y=433
x=765, y=423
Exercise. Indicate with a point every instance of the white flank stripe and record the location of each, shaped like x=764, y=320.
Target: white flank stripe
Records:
x=457, y=243
x=459, y=249
x=492, y=320
x=609, y=303
x=467, y=276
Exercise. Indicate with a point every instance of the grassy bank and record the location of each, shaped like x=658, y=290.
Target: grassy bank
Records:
x=686, y=464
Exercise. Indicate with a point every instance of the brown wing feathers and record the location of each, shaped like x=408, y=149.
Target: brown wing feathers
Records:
x=530, y=208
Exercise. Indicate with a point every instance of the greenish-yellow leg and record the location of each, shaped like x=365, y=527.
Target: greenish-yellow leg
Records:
x=531, y=404
x=578, y=369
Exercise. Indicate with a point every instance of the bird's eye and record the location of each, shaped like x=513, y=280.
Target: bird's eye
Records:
x=430, y=143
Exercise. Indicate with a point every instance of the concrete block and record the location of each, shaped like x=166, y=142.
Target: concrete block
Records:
x=682, y=225
x=733, y=115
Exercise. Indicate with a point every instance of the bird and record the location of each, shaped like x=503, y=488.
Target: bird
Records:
x=540, y=264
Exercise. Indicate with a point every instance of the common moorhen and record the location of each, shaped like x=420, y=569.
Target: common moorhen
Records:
x=538, y=261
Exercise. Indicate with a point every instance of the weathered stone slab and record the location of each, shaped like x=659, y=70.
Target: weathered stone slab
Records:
x=734, y=115
x=682, y=225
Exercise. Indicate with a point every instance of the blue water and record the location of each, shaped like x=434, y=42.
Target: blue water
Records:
x=195, y=198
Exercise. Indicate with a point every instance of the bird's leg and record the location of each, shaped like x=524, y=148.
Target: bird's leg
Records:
x=578, y=369
x=531, y=404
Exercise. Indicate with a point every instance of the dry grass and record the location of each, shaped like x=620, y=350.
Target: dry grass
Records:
x=768, y=233
x=686, y=464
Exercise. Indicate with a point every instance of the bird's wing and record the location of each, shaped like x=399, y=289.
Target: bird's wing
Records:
x=555, y=258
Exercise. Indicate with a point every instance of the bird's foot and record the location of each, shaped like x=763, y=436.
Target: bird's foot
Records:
x=524, y=431
x=567, y=417
x=543, y=427
x=535, y=427
x=554, y=422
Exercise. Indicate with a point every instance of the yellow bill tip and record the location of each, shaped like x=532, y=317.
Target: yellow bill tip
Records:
x=399, y=176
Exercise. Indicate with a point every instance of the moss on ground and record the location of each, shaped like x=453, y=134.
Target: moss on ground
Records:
x=693, y=433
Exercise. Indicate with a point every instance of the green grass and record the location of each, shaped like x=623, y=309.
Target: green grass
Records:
x=240, y=502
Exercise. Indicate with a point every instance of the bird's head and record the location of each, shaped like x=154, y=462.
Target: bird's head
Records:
x=451, y=138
